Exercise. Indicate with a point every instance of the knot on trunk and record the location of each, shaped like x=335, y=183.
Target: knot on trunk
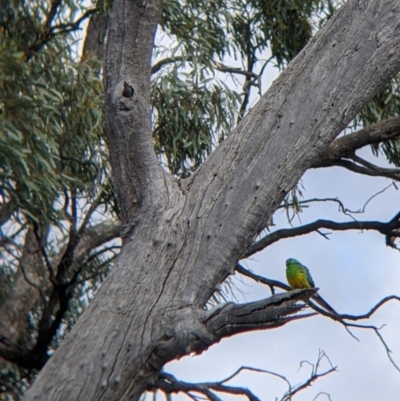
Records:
x=182, y=331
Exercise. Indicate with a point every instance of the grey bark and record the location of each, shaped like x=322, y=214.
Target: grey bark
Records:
x=347, y=145
x=183, y=239
x=95, y=36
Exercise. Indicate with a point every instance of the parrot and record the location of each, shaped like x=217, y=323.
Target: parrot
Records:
x=298, y=276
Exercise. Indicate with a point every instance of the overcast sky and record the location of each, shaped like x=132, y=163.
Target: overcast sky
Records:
x=353, y=270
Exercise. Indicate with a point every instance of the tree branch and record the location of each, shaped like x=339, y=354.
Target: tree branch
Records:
x=52, y=13
x=374, y=170
x=169, y=384
x=216, y=64
x=21, y=356
x=341, y=318
x=263, y=280
x=137, y=176
x=6, y=210
x=388, y=229
x=191, y=329
x=342, y=208
x=346, y=146
x=229, y=319
x=23, y=297
x=78, y=248
x=48, y=31
x=313, y=377
x=249, y=50
x=238, y=176
x=342, y=149
x=331, y=313
x=63, y=28
x=184, y=240
x=28, y=290
x=93, y=237
x=274, y=283
x=93, y=45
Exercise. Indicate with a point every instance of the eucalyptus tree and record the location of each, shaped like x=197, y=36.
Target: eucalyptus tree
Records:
x=163, y=119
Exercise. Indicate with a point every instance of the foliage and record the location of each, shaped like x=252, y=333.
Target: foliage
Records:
x=53, y=160
x=188, y=119
x=50, y=113
x=385, y=104
x=199, y=35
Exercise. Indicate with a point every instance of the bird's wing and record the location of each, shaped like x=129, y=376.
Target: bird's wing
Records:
x=309, y=278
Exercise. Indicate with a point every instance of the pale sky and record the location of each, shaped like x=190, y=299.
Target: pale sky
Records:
x=353, y=270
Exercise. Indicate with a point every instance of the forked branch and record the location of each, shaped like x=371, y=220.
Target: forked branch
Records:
x=229, y=319
x=346, y=146
x=169, y=384
x=342, y=318
x=389, y=229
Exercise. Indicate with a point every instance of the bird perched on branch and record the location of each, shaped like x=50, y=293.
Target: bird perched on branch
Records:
x=298, y=276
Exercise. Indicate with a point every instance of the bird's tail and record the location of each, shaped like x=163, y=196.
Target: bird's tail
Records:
x=323, y=303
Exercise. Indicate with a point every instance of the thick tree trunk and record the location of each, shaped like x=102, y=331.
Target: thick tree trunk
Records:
x=183, y=239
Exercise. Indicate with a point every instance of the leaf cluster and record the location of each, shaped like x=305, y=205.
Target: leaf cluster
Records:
x=385, y=104
x=188, y=118
x=50, y=112
x=194, y=105
x=53, y=158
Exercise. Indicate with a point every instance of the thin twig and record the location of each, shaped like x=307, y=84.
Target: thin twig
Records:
x=170, y=384
x=216, y=64
x=63, y=28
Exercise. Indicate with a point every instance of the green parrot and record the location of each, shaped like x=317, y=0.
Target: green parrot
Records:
x=298, y=276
